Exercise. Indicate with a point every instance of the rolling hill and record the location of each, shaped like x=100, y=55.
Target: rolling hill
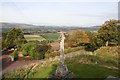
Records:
x=35, y=28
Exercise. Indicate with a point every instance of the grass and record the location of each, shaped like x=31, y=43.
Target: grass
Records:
x=91, y=71
x=43, y=36
x=45, y=72
x=99, y=64
x=34, y=38
x=50, y=36
x=79, y=71
x=83, y=65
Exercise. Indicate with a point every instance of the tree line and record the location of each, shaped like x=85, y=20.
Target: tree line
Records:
x=107, y=35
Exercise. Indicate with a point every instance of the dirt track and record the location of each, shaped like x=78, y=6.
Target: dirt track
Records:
x=8, y=65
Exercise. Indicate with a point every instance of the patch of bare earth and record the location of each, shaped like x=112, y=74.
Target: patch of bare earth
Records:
x=55, y=46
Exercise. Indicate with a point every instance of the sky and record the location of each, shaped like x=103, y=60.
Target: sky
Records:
x=59, y=13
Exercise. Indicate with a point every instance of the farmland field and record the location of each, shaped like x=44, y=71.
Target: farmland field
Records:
x=34, y=37
x=50, y=36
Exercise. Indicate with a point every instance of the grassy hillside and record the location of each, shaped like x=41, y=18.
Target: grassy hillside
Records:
x=99, y=64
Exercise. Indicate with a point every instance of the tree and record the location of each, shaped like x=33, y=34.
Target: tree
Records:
x=76, y=38
x=93, y=40
x=3, y=40
x=40, y=51
x=15, y=38
x=109, y=32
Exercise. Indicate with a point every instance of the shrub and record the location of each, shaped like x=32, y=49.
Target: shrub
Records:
x=38, y=51
x=15, y=54
x=26, y=48
x=35, y=50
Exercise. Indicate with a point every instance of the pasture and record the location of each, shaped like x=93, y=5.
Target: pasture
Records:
x=34, y=38
x=50, y=36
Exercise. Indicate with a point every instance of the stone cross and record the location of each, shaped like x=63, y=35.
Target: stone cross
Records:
x=62, y=38
x=62, y=71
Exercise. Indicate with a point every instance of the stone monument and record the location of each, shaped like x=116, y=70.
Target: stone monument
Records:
x=62, y=71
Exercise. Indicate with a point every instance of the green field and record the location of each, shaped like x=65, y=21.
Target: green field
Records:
x=50, y=36
x=34, y=38
x=43, y=36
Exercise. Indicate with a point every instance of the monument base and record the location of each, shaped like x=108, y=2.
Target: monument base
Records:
x=62, y=73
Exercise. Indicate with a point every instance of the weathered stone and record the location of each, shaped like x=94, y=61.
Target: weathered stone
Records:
x=62, y=71
x=67, y=76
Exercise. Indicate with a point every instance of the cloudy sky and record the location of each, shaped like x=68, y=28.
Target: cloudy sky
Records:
x=76, y=13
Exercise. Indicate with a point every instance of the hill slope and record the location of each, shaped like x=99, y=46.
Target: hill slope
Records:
x=33, y=28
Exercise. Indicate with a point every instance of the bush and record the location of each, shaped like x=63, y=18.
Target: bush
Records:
x=15, y=54
x=35, y=50
x=26, y=48
x=38, y=52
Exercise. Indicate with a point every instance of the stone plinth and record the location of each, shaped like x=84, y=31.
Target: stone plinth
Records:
x=62, y=73
x=61, y=70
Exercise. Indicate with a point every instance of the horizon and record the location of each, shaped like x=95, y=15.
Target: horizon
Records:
x=83, y=14
x=38, y=25
x=49, y=25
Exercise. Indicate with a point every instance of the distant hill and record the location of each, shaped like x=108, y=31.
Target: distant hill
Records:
x=33, y=28
x=92, y=28
x=17, y=25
